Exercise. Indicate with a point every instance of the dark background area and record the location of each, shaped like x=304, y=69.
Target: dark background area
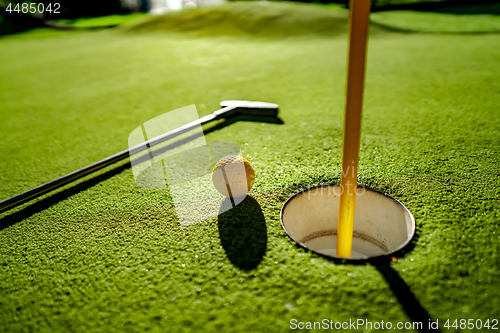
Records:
x=12, y=22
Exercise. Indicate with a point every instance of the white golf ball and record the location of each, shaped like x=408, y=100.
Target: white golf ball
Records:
x=233, y=176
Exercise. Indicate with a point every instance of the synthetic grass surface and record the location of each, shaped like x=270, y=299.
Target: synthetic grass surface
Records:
x=263, y=19
x=286, y=19
x=104, y=255
x=103, y=21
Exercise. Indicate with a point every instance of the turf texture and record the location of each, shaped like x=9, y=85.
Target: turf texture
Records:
x=103, y=255
x=104, y=21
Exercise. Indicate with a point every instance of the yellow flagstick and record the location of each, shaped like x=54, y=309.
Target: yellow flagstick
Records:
x=358, y=35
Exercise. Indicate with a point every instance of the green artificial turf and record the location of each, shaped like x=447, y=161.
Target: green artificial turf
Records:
x=283, y=19
x=263, y=19
x=104, y=21
x=103, y=255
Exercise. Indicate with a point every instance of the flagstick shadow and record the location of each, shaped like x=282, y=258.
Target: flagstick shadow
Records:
x=405, y=296
x=410, y=304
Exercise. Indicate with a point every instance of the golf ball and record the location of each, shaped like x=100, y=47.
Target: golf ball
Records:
x=233, y=176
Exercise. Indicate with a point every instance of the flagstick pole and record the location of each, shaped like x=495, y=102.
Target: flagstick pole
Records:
x=358, y=36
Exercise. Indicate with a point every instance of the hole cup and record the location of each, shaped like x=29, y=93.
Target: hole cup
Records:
x=382, y=224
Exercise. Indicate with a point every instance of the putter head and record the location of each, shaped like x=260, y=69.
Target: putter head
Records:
x=251, y=108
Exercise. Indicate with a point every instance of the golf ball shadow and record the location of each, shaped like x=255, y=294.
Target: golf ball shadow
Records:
x=243, y=232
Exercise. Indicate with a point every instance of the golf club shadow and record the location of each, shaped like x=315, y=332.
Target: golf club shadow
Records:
x=9, y=220
x=47, y=202
x=243, y=233
x=255, y=119
x=221, y=125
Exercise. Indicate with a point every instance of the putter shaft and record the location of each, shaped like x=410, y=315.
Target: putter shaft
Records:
x=59, y=182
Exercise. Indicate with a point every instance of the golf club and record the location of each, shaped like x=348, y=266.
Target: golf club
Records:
x=229, y=109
